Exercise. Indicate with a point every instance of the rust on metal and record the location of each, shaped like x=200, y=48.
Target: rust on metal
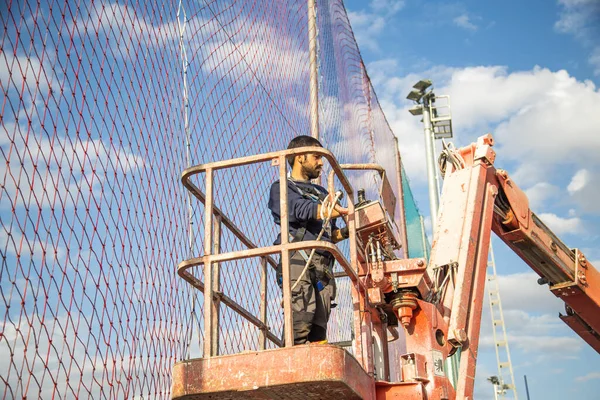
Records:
x=211, y=257
x=299, y=372
x=262, y=338
x=422, y=338
x=208, y=274
x=216, y=287
x=385, y=192
x=400, y=391
x=288, y=325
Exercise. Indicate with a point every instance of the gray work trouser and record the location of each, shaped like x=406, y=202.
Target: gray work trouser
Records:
x=311, y=307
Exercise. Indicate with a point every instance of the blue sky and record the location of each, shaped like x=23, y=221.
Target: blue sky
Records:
x=525, y=71
x=528, y=72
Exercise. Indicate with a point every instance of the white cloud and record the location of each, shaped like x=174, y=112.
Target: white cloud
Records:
x=579, y=180
x=584, y=189
x=30, y=247
x=551, y=347
x=265, y=53
x=22, y=70
x=588, y=377
x=367, y=25
x=387, y=6
x=42, y=172
x=531, y=319
x=581, y=18
x=58, y=355
x=539, y=193
x=49, y=345
x=561, y=226
x=544, y=122
x=577, y=15
x=123, y=27
x=464, y=21
x=521, y=292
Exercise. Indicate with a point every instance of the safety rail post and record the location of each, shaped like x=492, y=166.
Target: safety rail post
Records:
x=288, y=322
x=208, y=276
x=262, y=338
x=216, y=286
x=211, y=258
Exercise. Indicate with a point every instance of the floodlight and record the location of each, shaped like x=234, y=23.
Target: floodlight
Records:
x=422, y=84
x=415, y=95
x=416, y=110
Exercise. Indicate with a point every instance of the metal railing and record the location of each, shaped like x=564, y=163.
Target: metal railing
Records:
x=212, y=256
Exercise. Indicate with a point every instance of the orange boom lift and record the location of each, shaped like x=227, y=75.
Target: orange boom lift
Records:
x=437, y=303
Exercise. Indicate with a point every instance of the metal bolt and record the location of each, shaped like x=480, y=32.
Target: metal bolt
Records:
x=460, y=335
x=582, y=260
x=420, y=263
x=582, y=278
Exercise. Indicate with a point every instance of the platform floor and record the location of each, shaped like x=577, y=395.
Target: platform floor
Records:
x=301, y=372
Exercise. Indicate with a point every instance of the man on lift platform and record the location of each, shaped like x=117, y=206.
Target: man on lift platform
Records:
x=312, y=216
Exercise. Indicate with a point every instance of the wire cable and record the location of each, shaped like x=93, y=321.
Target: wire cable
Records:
x=312, y=253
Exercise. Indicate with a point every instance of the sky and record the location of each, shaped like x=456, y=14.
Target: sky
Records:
x=528, y=72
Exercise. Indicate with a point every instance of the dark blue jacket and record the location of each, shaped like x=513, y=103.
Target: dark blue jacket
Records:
x=302, y=210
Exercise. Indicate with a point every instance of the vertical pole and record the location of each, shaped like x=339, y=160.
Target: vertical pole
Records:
x=526, y=387
x=314, y=73
x=434, y=198
x=288, y=322
x=216, y=284
x=208, y=275
x=262, y=339
x=452, y=363
x=401, y=214
x=182, y=23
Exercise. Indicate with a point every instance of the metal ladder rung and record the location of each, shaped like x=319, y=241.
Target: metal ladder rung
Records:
x=501, y=341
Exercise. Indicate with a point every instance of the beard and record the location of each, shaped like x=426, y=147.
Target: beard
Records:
x=312, y=173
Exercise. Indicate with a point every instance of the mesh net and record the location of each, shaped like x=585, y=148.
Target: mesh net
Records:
x=104, y=105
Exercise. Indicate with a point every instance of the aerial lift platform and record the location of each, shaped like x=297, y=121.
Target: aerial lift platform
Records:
x=436, y=302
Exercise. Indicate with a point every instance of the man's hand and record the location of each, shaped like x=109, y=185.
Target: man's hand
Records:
x=341, y=210
x=338, y=211
x=340, y=234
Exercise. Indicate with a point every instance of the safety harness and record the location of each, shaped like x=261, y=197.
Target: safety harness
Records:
x=316, y=196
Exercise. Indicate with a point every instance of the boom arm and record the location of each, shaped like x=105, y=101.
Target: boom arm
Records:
x=440, y=305
x=570, y=275
x=476, y=197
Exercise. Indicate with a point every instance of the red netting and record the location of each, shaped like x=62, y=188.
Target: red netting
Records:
x=104, y=105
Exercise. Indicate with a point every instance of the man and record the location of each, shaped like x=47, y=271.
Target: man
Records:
x=314, y=290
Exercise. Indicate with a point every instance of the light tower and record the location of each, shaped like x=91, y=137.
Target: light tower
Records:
x=437, y=123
